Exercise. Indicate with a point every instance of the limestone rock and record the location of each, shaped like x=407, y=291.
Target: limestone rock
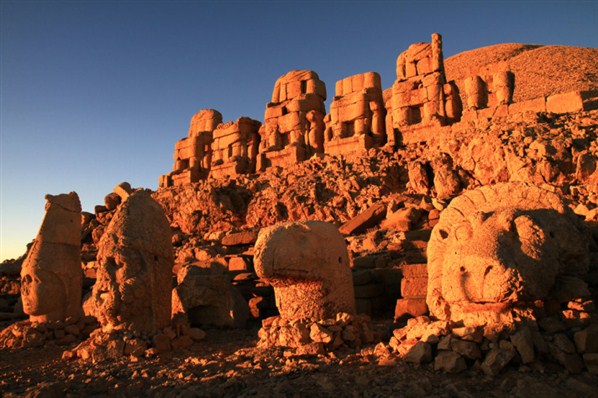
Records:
x=308, y=265
x=234, y=148
x=51, y=277
x=449, y=362
x=420, y=353
x=524, y=343
x=496, y=360
x=367, y=219
x=135, y=260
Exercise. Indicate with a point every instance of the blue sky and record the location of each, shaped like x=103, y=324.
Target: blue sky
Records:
x=93, y=93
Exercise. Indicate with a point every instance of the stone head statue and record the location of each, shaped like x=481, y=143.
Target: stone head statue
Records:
x=499, y=247
x=51, y=276
x=135, y=259
x=308, y=265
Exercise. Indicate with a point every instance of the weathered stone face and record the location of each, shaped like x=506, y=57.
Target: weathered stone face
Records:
x=498, y=246
x=51, y=277
x=135, y=259
x=308, y=265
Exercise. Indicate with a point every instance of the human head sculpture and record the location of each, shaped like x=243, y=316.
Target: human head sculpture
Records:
x=308, y=265
x=51, y=276
x=135, y=259
x=502, y=247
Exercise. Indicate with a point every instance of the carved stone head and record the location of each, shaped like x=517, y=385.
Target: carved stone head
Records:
x=308, y=265
x=135, y=259
x=51, y=276
x=502, y=246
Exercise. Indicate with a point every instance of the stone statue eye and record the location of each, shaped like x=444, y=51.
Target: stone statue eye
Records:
x=443, y=234
x=463, y=232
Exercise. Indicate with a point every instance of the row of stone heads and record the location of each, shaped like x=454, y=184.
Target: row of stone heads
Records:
x=494, y=248
x=362, y=116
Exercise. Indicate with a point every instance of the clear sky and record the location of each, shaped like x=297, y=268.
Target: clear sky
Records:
x=93, y=93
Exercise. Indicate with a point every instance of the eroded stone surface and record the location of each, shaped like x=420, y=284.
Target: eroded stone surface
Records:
x=235, y=148
x=51, y=275
x=501, y=246
x=308, y=265
x=357, y=115
x=293, y=123
x=135, y=260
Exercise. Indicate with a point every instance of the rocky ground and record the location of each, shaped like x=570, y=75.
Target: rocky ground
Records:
x=556, y=152
x=228, y=364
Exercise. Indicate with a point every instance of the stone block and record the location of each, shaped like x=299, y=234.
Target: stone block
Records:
x=565, y=103
x=294, y=89
x=496, y=360
x=420, y=353
x=415, y=270
x=586, y=340
x=591, y=362
x=413, y=307
x=363, y=306
x=523, y=341
x=367, y=219
x=240, y=238
x=414, y=287
x=534, y=105
x=240, y=263
x=361, y=277
x=468, y=349
x=306, y=103
x=289, y=122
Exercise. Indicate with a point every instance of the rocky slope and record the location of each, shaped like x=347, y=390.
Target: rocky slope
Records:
x=539, y=70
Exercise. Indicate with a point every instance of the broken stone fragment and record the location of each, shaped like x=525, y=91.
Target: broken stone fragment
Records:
x=208, y=298
x=123, y=190
x=367, y=219
x=468, y=349
x=524, y=343
x=420, y=353
x=496, y=360
x=449, y=362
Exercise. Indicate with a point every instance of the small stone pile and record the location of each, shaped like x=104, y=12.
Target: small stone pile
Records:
x=117, y=343
x=568, y=339
x=317, y=337
x=26, y=334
